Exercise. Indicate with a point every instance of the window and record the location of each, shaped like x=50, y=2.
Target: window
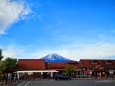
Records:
x=110, y=71
x=94, y=62
x=109, y=62
x=101, y=68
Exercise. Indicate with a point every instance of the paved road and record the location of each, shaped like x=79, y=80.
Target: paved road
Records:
x=67, y=83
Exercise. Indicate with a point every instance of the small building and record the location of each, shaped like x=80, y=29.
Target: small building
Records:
x=96, y=66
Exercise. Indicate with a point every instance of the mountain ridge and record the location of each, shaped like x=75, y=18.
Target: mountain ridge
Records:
x=55, y=58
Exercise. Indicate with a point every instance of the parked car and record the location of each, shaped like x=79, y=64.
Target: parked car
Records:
x=62, y=77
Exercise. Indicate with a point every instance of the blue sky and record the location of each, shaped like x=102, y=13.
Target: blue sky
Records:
x=76, y=29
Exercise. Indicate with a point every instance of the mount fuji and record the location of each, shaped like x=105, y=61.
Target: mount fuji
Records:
x=55, y=58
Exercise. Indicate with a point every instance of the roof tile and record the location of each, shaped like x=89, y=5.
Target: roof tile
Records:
x=30, y=64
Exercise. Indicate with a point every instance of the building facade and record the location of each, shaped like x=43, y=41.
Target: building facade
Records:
x=95, y=67
x=52, y=64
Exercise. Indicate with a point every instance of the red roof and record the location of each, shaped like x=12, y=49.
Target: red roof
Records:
x=60, y=65
x=56, y=65
x=30, y=64
x=85, y=63
x=39, y=64
x=97, y=66
x=94, y=63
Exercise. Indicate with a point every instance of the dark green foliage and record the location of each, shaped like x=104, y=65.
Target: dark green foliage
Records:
x=69, y=69
x=2, y=63
x=6, y=64
x=10, y=63
x=2, y=66
x=1, y=57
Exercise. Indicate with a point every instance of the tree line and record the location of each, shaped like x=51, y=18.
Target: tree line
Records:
x=6, y=64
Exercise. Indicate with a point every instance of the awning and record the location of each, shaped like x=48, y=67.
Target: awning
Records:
x=35, y=71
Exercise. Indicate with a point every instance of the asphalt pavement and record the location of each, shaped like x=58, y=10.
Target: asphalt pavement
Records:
x=66, y=83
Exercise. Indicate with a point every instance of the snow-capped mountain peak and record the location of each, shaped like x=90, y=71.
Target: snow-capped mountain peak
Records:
x=55, y=58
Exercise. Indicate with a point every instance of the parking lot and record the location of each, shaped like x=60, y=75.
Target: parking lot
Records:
x=66, y=83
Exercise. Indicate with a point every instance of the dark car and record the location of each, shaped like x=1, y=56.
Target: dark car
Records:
x=62, y=77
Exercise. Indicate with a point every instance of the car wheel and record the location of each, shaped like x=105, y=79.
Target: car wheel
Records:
x=58, y=79
x=68, y=79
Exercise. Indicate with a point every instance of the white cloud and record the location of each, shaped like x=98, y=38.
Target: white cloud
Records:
x=74, y=51
x=11, y=12
x=97, y=50
x=84, y=51
x=93, y=51
x=11, y=51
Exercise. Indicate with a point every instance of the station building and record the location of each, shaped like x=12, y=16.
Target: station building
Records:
x=53, y=63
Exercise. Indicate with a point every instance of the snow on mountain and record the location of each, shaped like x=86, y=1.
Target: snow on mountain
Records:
x=55, y=58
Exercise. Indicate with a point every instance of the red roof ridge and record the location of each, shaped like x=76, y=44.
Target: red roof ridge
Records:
x=30, y=59
x=99, y=59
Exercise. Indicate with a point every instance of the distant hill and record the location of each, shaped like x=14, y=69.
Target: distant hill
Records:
x=55, y=58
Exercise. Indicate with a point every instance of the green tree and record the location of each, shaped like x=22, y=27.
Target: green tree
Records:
x=10, y=62
x=1, y=56
x=2, y=65
x=69, y=69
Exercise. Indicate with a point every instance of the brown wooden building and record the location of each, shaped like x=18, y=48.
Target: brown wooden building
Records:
x=96, y=66
x=34, y=68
